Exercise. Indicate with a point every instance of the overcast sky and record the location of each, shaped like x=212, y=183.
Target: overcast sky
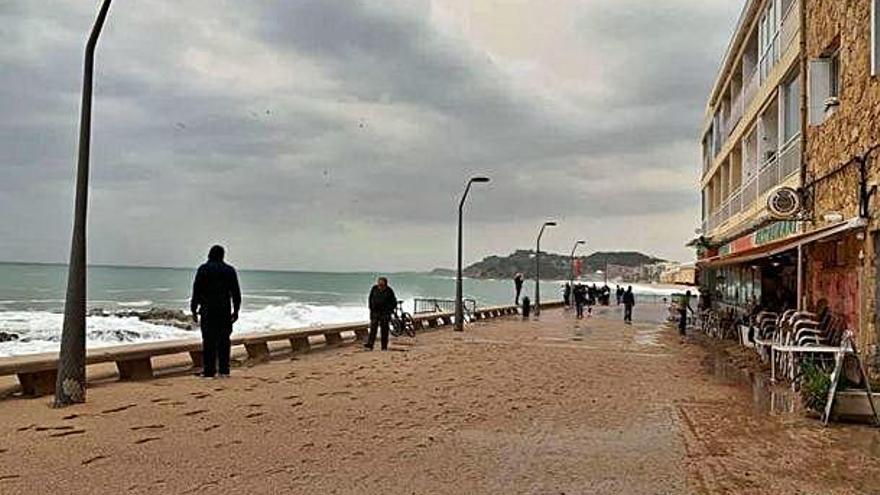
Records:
x=338, y=134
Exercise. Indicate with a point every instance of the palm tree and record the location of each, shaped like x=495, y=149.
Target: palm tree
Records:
x=70, y=386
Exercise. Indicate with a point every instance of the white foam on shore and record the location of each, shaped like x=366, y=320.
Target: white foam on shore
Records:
x=40, y=331
x=135, y=304
x=296, y=314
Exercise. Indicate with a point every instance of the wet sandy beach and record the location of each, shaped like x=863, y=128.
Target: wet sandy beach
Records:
x=555, y=406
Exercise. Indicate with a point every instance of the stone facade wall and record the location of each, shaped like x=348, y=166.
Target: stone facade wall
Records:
x=850, y=131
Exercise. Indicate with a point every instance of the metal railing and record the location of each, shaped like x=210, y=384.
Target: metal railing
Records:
x=790, y=158
x=749, y=192
x=736, y=112
x=768, y=176
x=769, y=58
x=736, y=204
x=421, y=306
x=790, y=26
x=785, y=163
x=750, y=90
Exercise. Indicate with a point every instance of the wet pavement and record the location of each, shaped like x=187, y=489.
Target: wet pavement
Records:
x=555, y=405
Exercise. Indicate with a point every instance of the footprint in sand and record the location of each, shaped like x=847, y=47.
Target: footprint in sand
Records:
x=147, y=427
x=254, y=415
x=9, y=477
x=93, y=459
x=221, y=444
x=211, y=427
x=195, y=413
x=146, y=440
x=53, y=428
x=67, y=433
x=118, y=409
x=200, y=395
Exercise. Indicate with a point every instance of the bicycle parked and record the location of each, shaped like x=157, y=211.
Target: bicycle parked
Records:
x=402, y=322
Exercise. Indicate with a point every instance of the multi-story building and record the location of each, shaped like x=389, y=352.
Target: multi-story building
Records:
x=751, y=146
x=843, y=55
x=765, y=130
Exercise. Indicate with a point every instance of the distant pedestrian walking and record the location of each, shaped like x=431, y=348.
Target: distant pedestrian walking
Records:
x=216, y=298
x=580, y=299
x=566, y=295
x=683, y=307
x=382, y=303
x=629, y=300
x=619, y=293
x=517, y=284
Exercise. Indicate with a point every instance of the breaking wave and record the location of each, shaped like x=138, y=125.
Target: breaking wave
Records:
x=40, y=331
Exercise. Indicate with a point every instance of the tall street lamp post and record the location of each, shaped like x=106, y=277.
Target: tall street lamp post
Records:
x=538, y=268
x=70, y=385
x=459, y=308
x=571, y=262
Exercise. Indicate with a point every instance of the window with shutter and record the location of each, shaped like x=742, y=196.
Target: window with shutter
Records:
x=820, y=88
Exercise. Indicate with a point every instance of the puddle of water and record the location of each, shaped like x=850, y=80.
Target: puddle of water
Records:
x=766, y=397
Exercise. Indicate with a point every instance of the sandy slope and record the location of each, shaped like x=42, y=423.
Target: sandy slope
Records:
x=506, y=407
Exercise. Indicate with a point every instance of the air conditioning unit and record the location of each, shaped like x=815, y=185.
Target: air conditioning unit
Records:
x=784, y=203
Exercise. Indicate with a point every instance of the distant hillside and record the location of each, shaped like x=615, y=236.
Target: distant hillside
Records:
x=556, y=266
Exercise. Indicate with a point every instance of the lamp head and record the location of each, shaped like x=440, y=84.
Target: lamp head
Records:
x=550, y=224
x=581, y=242
x=479, y=179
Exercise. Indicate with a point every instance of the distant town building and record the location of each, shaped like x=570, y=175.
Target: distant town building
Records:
x=684, y=274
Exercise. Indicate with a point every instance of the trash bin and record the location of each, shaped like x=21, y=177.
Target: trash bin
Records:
x=526, y=307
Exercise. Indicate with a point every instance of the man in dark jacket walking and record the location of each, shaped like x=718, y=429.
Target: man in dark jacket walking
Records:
x=629, y=300
x=382, y=304
x=580, y=298
x=216, y=297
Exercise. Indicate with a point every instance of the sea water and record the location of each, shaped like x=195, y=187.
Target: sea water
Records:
x=32, y=300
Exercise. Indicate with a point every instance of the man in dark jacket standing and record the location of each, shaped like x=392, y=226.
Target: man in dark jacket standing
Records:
x=517, y=285
x=382, y=304
x=629, y=300
x=216, y=297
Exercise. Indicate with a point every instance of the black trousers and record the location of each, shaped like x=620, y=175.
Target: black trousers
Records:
x=377, y=321
x=627, y=312
x=579, y=307
x=215, y=345
x=518, y=291
x=682, y=322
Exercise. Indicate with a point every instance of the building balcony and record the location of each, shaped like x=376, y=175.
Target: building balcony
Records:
x=741, y=105
x=746, y=202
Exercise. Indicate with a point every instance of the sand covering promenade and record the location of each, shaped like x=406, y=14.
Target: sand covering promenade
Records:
x=506, y=407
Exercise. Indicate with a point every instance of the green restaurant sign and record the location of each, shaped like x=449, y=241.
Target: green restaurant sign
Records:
x=776, y=231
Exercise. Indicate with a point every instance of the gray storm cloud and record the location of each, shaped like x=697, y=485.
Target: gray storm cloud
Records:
x=330, y=134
